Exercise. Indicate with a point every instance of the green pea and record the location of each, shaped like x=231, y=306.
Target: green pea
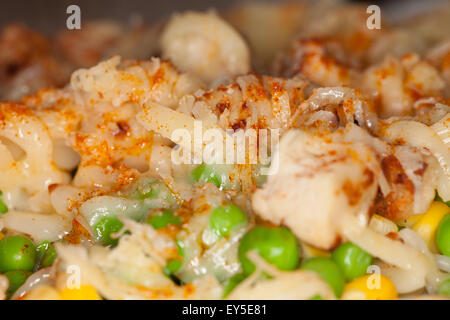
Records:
x=46, y=254
x=17, y=253
x=277, y=245
x=209, y=173
x=225, y=219
x=444, y=287
x=105, y=227
x=352, y=260
x=163, y=218
x=3, y=207
x=172, y=266
x=232, y=283
x=328, y=270
x=443, y=235
x=16, y=279
x=151, y=193
x=152, y=189
x=316, y=297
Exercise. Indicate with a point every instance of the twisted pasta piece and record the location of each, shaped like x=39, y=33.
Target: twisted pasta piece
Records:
x=34, y=171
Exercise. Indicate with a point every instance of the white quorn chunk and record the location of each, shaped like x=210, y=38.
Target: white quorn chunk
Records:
x=318, y=181
x=205, y=45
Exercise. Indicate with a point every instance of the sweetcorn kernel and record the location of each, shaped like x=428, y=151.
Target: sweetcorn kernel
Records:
x=370, y=287
x=85, y=292
x=408, y=223
x=309, y=251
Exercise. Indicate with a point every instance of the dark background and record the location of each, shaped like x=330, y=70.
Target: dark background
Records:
x=50, y=15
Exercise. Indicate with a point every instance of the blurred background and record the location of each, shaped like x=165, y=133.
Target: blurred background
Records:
x=50, y=15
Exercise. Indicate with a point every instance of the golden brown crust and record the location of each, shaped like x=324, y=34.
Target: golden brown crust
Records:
x=398, y=204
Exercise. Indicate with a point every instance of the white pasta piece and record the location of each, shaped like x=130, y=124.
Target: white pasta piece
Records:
x=93, y=176
x=414, y=265
x=64, y=156
x=442, y=129
x=32, y=172
x=377, y=244
x=285, y=285
x=39, y=226
x=62, y=197
x=409, y=280
x=276, y=111
x=293, y=285
x=419, y=135
x=413, y=161
x=355, y=107
x=43, y=277
x=166, y=121
x=42, y=292
x=405, y=281
x=158, y=160
x=182, y=129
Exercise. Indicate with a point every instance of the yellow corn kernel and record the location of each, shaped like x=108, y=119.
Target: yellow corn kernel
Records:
x=2, y=235
x=85, y=292
x=370, y=287
x=382, y=225
x=427, y=225
x=43, y=292
x=309, y=251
